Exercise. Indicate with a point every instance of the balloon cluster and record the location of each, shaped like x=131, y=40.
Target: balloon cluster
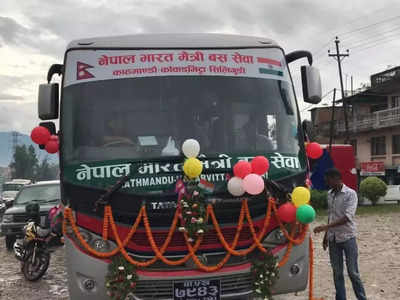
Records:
x=314, y=150
x=299, y=209
x=42, y=136
x=247, y=177
x=192, y=166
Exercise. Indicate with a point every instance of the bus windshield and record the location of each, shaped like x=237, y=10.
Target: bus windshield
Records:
x=39, y=193
x=145, y=118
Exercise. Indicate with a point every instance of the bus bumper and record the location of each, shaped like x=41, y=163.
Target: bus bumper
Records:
x=86, y=277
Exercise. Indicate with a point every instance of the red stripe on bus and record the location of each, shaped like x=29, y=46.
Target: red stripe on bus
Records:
x=193, y=272
x=269, y=61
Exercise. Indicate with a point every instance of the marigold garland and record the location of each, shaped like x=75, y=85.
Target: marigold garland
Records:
x=159, y=253
x=289, y=237
x=192, y=249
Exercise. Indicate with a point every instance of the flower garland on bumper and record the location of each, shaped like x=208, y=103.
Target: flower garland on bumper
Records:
x=192, y=209
x=265, y=272
x=121, y=278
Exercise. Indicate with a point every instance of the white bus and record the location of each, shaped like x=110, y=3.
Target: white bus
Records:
x=133, y=100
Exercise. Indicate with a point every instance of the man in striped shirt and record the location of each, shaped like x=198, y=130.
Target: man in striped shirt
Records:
x=340, y=234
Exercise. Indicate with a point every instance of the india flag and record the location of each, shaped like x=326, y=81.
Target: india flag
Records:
x=205, y=185
x=270, y=66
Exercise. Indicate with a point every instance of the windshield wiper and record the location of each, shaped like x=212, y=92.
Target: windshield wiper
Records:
x=105, y=198
x=52, y=200
x=286, y=103
x=43, y=200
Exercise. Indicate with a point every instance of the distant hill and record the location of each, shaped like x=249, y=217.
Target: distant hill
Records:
x=6, y=151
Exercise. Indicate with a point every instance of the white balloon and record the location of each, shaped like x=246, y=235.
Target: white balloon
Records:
x=191, y=148
x=235, y=186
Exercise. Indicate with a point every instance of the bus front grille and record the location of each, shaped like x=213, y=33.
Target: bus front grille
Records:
x=140, y=238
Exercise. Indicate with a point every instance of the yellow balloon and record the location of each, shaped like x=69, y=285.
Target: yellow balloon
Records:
x=192, y=167
x=300, y=196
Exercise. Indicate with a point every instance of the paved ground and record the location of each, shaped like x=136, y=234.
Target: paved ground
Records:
x=379, y=243
x=13, y=286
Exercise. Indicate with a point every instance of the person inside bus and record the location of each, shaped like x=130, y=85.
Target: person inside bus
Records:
x=201, y=119
x=254, y=134
x=115, y=133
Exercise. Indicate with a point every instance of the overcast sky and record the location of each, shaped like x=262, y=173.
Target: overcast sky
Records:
x=34, y=34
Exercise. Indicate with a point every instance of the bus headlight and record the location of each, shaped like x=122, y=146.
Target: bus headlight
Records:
x=102, y=245
x=87, y=236
x=8, y=218
x=274, y=238
x=96, y=242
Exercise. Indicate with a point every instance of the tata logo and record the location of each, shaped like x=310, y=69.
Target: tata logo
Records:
x=163, y=205
x=82, y=72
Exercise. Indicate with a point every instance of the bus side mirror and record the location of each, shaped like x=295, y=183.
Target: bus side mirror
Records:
x=48, y=101
x=311, y=81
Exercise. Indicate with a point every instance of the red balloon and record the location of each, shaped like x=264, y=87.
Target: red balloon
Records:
x=314, y=150
x=260, y=165
x=40, y=135
x=241, y=169
x=287, y=212
x=54, y=138
x=52, y=146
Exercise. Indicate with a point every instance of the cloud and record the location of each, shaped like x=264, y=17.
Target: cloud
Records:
x=11, y=32
x=19, y=116
x=7, y=81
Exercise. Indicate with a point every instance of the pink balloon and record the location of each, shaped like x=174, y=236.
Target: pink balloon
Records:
x=253, y=184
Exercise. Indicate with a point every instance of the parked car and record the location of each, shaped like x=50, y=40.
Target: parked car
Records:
x=45, y=193
x=7, y=197
x=15, y=184
x=2, y=208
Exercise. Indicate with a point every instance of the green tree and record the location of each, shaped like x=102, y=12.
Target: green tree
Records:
x=43, y=171
x=373, y=188
x=55, y=171
x=319, y=199
x=24, y=162
x=46, y=171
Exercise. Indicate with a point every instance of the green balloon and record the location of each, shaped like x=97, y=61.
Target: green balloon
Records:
x=305, y=214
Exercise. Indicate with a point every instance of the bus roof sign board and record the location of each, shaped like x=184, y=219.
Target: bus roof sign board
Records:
x=89, y=65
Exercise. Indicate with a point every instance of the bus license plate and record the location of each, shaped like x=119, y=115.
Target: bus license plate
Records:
x=197, y=290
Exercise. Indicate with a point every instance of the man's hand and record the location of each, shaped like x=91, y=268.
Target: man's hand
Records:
x=319, y=229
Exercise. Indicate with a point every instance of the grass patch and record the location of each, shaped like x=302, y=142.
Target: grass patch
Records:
x=368, y=210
